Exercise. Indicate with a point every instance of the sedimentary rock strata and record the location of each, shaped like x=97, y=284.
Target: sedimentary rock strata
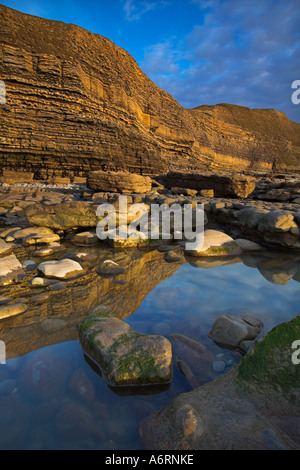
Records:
x=76, y=102
x=119, y=182
x=223, y=185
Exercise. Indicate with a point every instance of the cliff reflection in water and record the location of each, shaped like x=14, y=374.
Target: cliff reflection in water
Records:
x=55, y=319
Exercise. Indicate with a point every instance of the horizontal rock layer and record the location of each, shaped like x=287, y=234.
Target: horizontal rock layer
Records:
x=224, y=185
x=118, y=181
x=76, y=102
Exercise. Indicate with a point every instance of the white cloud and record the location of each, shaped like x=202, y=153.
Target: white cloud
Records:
x=245, y=53
x=135, y=9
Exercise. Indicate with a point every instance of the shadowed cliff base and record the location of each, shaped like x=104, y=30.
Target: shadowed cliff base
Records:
x=76, y=102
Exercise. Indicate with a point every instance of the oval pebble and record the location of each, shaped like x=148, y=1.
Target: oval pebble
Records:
x=218, y=366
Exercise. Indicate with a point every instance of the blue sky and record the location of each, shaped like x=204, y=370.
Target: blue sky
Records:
x=244, y=52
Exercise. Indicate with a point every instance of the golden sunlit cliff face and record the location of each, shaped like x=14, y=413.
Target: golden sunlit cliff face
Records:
x=76, y=102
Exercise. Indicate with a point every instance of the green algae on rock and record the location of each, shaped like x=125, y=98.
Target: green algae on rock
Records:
x=269, y=361
x=125, y=356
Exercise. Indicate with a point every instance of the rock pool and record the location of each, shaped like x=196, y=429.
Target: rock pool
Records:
x=52, y=396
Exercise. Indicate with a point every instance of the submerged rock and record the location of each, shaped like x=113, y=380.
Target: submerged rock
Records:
x=172, y=257
x=60, y=269
x=88, y=238
x=63, y=216
x=11, y=310
x=49, y=250
x=125, y=356
x=110, y=269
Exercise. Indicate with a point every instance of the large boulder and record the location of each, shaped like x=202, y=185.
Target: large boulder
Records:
x=231, y=330
x=118, y=182
x=36, y=236
x=223, y=185
x=125, y=356
x=65, y=268
x=214, y=243
x=63, y=216
x=277, y=228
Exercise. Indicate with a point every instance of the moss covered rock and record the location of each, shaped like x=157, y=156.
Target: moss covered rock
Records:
x=215, y=243
x=269, y=361
x=125, y=356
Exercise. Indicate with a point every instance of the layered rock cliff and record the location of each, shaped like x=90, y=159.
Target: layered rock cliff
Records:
x=76, y=102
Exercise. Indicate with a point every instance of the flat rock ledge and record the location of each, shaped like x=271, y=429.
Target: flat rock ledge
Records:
x=255, y=406
x=125, y=357
x=118, y=181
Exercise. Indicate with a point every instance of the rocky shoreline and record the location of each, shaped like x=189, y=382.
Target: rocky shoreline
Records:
x=45, y=237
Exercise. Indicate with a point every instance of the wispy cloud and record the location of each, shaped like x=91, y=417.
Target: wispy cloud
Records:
x=135, y=9
x=246, y=53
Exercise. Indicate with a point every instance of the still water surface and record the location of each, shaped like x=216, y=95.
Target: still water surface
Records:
x=54, y=398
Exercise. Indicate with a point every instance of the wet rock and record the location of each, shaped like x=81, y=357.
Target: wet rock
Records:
x=10, y=270
x=29, y=265
x=39, y=299
x=81, y=387
x=187, y=373
x=223, y=185
x=109, y=268
x=36, y=235
x=218, y=366
x=127, y=239
x=194, y=360
x=74, y=422
x=215, y=243
x=5, y=248
x=58, y=286
x=4, y=300
x=85, y=257
x=39, y=282
x=63, y=216
x=247, y=245
x=173, y=257
x=125, y=356
x=191, y=343
x=11, y=310
x=230, y=331
x=49, y=250
x=277, y=271
x=52, y=325
x=60, y=269
x=89, y=238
